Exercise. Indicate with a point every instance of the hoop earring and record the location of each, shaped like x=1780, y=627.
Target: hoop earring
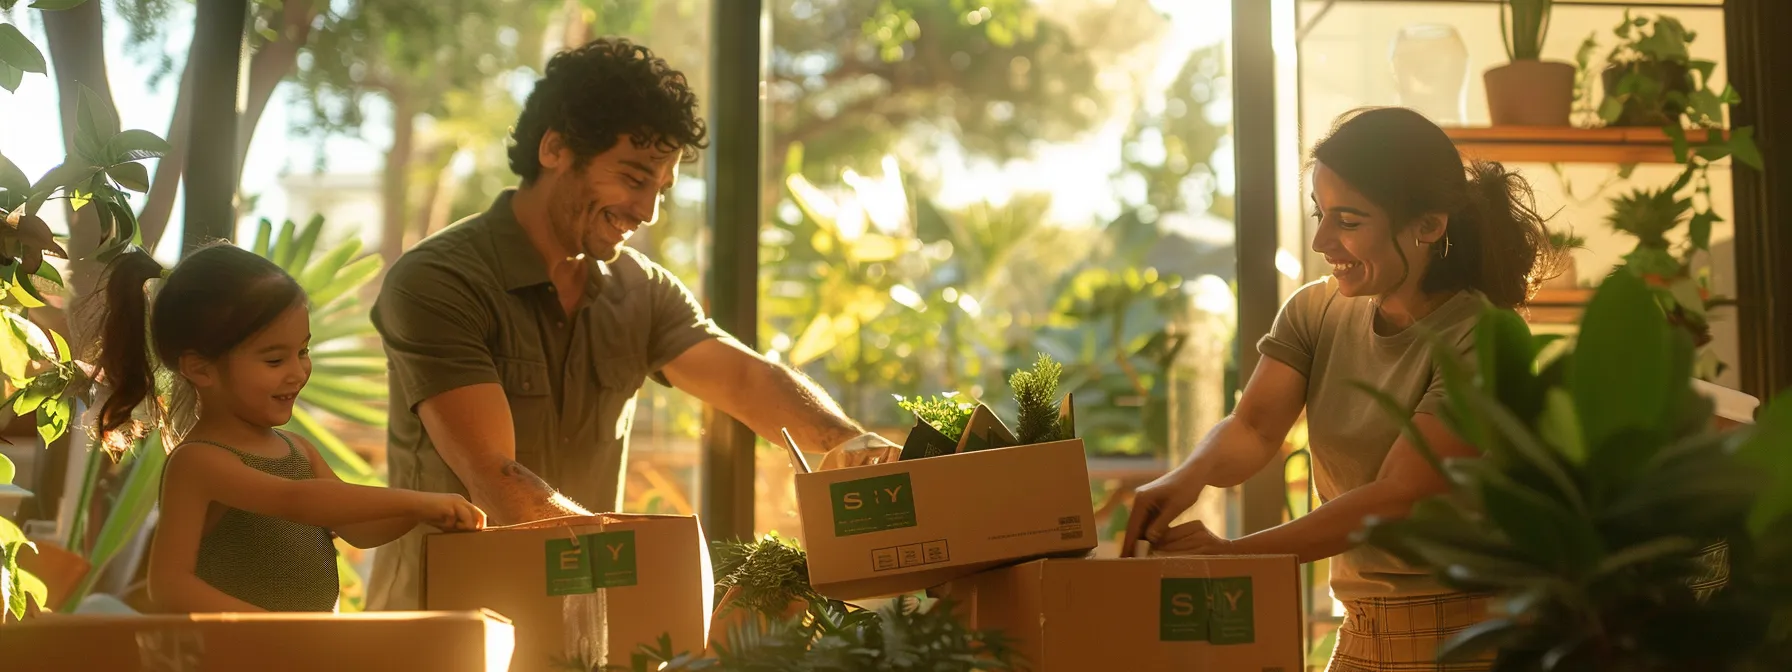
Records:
x=1445, y=253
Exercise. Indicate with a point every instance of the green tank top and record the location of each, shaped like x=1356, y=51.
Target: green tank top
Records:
x=275, y=564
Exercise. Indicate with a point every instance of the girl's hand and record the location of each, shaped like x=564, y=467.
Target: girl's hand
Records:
x=449, y=512
x=1154, y=505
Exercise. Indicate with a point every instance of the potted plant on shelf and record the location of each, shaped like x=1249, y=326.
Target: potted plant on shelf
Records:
x=1564, y=244
x=1605, y=514
x=1649, y=77
x=1528, y=91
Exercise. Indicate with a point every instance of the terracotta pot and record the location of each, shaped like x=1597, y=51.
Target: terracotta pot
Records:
x=1530, y=93
x=59, y=569
x=1671, y=75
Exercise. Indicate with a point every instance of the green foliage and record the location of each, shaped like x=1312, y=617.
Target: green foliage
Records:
x=943, y=413
x=830, y=636
x=1036, y=395
x=1523, y=25
x=16, y=584
x=1565, y=240
x=1600, y=497
x=771, y=574
x=907, y=635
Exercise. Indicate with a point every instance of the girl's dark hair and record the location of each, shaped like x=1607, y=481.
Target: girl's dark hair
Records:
x=213, y=300
x=1498, y=244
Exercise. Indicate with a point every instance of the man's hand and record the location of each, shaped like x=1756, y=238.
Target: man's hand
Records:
x=867, y=448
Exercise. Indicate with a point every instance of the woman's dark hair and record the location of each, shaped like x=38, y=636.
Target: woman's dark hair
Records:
x=607, y=88
x=1498, y=244
x=213, y=300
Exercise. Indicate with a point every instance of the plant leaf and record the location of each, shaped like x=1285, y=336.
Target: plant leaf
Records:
x=1678, y=135
x=11, y=78
x=95, y=121
x=6, y=470
x=56, y=5
x=18, y=52
x=135, y=145
x=12, y=179
x=263, y=232
x=1645, y=552
x=1742, y=145
x=1620, y=361
x=1699, y=230
x=1765, y=450
x=1560, y=427
x=132, y=176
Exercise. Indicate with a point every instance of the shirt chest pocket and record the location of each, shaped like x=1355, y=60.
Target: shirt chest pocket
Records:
x=618, y=378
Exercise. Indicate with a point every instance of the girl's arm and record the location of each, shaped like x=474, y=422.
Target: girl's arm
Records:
x=1404, y=479
x=218, y=475
x=369, y=534
x=174, y=553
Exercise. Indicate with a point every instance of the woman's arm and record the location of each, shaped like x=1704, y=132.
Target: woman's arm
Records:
x=369, y=534
x=1237, y=447
x=1405, y=478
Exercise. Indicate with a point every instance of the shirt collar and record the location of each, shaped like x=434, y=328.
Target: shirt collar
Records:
x=519, y=264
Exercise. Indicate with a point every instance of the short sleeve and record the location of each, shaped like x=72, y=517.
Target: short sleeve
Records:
x=1432, y=403
x=1293, y=337
x=678, y=320
x=434, y=327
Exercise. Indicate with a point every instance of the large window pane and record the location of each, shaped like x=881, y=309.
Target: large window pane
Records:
x=955, y=187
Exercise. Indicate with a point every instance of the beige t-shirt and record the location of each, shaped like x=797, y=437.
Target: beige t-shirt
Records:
x=1331, y=339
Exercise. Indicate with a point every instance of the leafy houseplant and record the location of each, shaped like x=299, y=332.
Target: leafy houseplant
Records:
x=944, y=414
x=767, y=576
x=1648, y=76
x=1528, y=91
x=1600, y=485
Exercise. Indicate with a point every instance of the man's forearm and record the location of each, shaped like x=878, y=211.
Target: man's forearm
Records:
x=787, y=399
x=511, y=494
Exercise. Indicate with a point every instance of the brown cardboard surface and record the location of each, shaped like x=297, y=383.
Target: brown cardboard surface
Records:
x=669, y=586
x=478, y=641
x=1142, y=614
x=885, y=529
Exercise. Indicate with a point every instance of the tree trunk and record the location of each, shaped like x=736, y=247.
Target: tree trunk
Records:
x=78, y=54
x=267, y=69
x=437, y=193
x=157, y=211
x=394, y=183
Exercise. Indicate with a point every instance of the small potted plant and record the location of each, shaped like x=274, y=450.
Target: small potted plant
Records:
x=1564, y=244
x=1528, y=91
x=1649, y=74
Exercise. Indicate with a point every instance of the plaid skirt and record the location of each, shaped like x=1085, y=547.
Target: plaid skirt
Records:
x=1402, y=634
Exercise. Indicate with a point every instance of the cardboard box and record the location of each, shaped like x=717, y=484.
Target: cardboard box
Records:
x=544, y=576
x=1188, y=614
x=905, y=526
x=478, y=641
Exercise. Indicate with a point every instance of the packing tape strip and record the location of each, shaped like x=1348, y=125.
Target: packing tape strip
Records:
x=176, y=649
x=585, y=619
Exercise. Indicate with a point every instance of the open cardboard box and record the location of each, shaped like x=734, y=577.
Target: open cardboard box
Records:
x=653, y=570
x=471, y=641
x=905, y=526
x=1187, y=614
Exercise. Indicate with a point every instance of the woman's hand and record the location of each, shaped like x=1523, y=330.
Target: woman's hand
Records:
x=448, y=512
x=1157, y=503
x=1192, y=538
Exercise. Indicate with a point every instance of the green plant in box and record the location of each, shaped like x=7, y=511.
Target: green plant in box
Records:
x=1598, y=499
x=1036, y=395
x=943, y=412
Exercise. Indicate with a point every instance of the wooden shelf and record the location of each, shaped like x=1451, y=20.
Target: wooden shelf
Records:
x=1640, y=4
x=1558, y=306
x=1549, y=144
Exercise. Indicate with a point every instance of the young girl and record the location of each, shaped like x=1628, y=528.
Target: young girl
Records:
x=247, y=511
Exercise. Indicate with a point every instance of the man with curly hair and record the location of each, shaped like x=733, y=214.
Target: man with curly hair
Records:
x=518, y=338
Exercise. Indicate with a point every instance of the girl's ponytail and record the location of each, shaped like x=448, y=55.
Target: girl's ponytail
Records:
x=119, y=345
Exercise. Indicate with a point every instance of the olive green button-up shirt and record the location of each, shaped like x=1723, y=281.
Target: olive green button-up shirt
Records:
x=473, y=304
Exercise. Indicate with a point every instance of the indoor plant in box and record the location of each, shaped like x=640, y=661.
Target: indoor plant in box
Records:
x=1528, y=91
x=1599, y=496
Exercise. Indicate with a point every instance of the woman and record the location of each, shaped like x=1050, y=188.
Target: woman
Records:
x=1417, y=243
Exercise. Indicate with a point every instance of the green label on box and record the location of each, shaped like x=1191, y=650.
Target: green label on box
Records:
x=1206, y=610
x=569, y=568
x=576, y=567
x=872, y=504
x=615, y=553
